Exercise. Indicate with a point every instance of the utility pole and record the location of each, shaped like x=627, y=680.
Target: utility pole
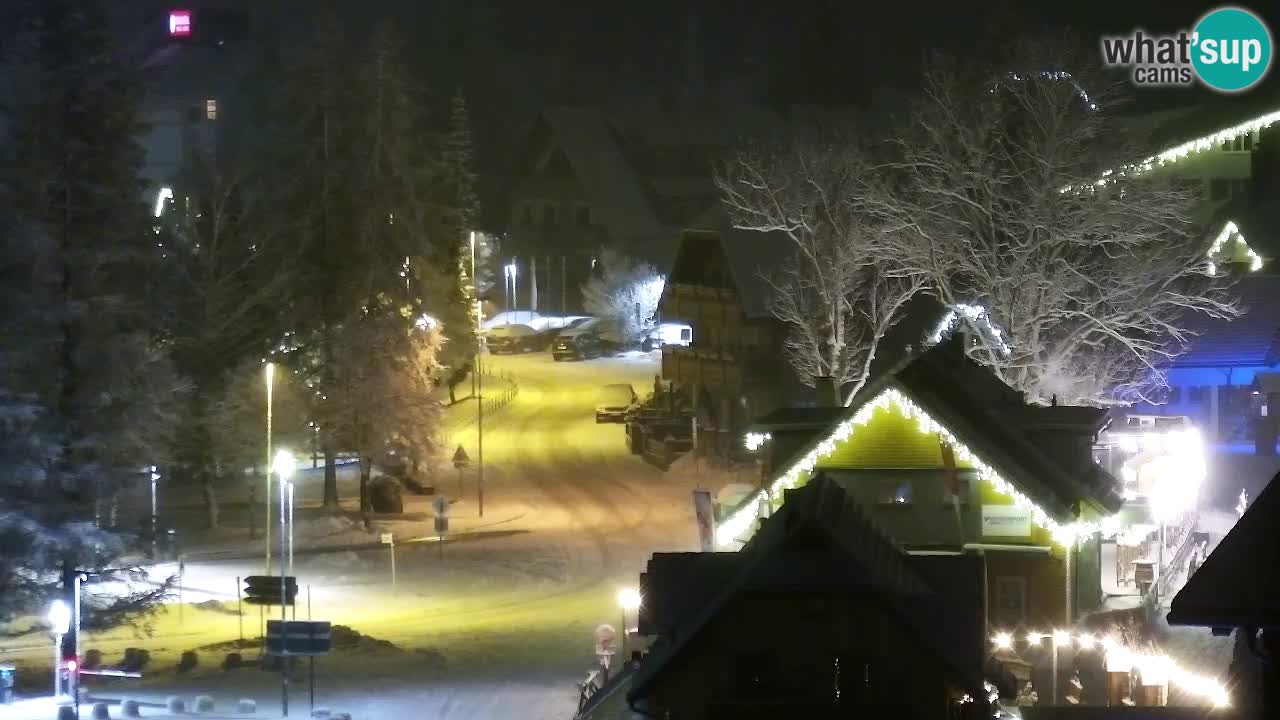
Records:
x=271, y=372
x=562, y=283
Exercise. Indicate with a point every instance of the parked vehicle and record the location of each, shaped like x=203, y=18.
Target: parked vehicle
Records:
x=667, y=333
x=553, y=332
x=578, y=343
x=513, y=339
x=614, y=403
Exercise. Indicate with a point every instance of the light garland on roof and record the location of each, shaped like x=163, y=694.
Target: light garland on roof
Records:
x=1063, y=533
x=1229, y=230
x=975, y=314
x=1156, y=669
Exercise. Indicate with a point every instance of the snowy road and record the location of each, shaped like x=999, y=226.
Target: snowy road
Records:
x=500, y=624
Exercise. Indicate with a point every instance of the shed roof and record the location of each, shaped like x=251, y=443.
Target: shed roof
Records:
x=1239, y=583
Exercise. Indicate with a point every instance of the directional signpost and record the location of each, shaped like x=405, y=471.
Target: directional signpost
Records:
x=299, y=638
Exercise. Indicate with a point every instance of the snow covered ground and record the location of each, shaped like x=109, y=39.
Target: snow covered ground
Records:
x=498, y=625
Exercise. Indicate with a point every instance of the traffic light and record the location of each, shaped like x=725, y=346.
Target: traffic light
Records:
x=265, y=590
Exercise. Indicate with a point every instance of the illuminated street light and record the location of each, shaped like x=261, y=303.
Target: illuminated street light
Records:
x=164, y=195
x=1002, y=641
x=266, y=528
x=59, y=623
x=628, y=600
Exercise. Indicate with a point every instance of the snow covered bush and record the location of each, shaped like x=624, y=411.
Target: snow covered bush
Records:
x=623, y=293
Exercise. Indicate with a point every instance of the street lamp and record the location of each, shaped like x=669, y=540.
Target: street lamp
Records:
x=628, y=600
x=283, y=465
x=59, y=623
x=511, y=273
x=266, y=529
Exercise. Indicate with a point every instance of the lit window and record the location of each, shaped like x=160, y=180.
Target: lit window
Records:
x=179, y=23
x=211, y=109
x=895, y=492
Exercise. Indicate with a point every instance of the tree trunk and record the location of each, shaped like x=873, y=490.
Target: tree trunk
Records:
x=210, y=502
x=366, y=471
x=330, y=477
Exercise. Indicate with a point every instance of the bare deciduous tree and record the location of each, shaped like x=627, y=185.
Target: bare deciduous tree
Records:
x=996, y=201
x=842, y=289
x=624, y=295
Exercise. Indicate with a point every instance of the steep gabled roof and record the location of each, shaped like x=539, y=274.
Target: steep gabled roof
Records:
x=1253, y=339
x=1239, y=583
x=821, y=539
x=720, y=255
x=583, y=134
x=983, y=417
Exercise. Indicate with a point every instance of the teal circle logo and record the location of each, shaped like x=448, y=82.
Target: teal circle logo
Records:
x=1231, y=49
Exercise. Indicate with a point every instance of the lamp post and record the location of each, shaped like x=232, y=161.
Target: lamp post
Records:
x=628, y=600
x=59, y=623
x=266, y=528
x=478, y=376
x=154, y=477
x=283, y=465
x=515, y=296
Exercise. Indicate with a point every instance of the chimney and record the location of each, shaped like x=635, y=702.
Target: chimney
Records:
x=826, y=391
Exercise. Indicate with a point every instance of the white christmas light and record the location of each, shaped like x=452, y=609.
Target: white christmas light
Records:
x=975, y=314
x=1178, y=152
x=1231, y=230
x=1002, y=641
x=740, y=520
x=755, y=441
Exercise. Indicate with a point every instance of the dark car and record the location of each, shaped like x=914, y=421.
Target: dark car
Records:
x=578, y=343
x=513, y=339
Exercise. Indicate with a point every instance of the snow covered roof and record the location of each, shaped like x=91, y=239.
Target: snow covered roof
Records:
x=733, y=259
x=819, y=540
x=1253, y=339
x=1239, y=583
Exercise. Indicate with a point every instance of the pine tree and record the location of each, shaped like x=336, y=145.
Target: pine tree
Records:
x=86, y=384
x=459, y=216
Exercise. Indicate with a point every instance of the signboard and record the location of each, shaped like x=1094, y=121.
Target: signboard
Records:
x=1006, y=521
x=180, y=23
x=299, y=637
x=460, y=459
x=441, y=506
x=388, y=539
x=706, y=519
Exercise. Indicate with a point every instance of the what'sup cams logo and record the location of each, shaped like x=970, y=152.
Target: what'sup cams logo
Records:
x=1229, y=50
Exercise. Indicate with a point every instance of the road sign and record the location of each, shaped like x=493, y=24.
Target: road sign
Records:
x=442, y=524
x=441, y=506
x=265, y=590
x=388, y=539
x=460, y=459
x=299, y=637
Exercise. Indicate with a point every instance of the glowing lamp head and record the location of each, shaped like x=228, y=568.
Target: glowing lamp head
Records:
x=1002, y=641
x=283, y=464
x=1034, y=638
x=629, y=598
x=1062, y=637
x=72, y=665
x=59, y=617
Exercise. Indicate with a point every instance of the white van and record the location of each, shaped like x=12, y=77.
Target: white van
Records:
x=667, y=333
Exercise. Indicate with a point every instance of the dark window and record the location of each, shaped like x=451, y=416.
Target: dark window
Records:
x=686, y=335
x=895, y=492
x=1010, y=601
x=583, y=216
x=548, y=216
x=1246, y=142
x=962, y=493
x=1175, y=394
x=1197, y=393
x=1219, y=189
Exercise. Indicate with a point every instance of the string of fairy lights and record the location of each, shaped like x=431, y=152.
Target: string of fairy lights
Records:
x=1153, y=667
x=740, y=521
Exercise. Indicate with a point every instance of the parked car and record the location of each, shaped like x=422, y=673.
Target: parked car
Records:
x=614, y=403
x=668, y=333
x=578, y=343
x=552, y=332
x=513, y=339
